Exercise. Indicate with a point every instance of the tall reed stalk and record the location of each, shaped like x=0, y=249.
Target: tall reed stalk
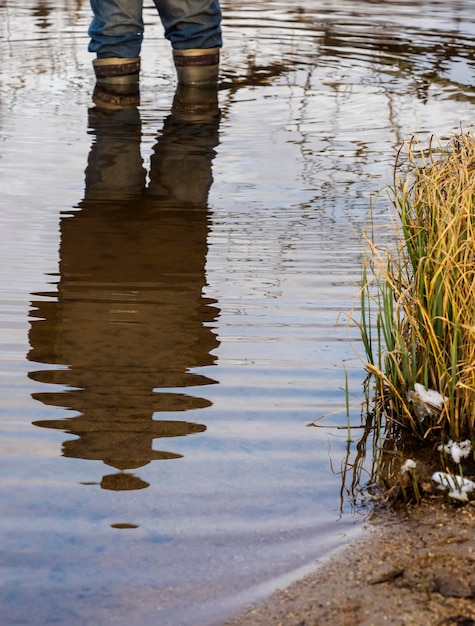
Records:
x=417, y=313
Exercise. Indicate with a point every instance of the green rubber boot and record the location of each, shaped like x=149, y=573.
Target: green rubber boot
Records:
x=116, y=71
x=197, y=67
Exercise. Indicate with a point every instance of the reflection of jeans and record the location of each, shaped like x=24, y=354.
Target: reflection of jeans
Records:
x=130, y=320
x=117, y=27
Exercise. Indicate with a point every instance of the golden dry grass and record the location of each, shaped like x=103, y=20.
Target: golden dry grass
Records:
x=417, y=316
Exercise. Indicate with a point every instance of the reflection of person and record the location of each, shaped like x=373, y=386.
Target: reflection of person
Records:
x=129, y=317
x=192, y=27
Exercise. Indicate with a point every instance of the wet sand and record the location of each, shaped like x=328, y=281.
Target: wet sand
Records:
x=415, y=567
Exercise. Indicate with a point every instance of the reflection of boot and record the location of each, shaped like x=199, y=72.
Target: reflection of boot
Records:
x=116, y=97
x=198, y=67
x=116, y=71
x=194, y=104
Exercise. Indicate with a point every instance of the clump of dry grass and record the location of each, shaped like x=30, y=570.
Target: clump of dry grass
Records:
x=417, y=316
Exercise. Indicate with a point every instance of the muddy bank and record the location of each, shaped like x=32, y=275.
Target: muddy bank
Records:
x=416, y=567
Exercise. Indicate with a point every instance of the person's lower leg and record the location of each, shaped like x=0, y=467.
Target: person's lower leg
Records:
x=194, y=30
x=116, y=34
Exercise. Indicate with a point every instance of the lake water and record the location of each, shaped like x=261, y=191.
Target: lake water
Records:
x=170, y=296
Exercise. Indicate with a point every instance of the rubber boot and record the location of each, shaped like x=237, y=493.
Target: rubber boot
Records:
x=116, y=71
x=197, y=67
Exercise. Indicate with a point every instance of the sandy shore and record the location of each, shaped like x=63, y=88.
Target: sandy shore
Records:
x=414, y=567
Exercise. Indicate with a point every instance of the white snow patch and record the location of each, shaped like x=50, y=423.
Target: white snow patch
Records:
x=426, y=401
x=408, y=466
x=457, y=451
x=458, y=487
x=430, y=396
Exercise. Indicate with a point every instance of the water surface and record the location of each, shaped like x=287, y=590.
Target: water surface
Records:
x=170, y=299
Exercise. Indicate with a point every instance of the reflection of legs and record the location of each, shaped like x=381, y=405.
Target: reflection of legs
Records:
x=130, y=322
x=115, y=167
x=180, y=172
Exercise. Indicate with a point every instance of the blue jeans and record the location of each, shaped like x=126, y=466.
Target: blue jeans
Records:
x=117, y=26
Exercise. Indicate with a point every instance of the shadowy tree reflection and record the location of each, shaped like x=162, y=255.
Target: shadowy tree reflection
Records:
x=129, y=322
x=41, y=13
